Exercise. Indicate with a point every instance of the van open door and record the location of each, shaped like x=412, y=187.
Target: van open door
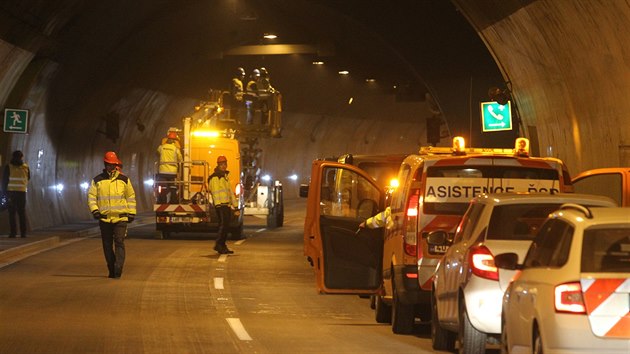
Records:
x=345, y=261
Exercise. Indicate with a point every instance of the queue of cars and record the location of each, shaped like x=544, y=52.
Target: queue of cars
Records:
x=397, y=265
x=467, y=293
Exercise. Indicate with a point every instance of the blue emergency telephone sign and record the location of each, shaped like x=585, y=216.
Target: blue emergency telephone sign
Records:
x=495, y=116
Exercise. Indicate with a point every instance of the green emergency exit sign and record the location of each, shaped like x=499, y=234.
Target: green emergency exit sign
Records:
x=495, y=116
x=15, y=120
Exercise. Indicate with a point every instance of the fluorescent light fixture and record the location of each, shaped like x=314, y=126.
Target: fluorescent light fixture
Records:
x=344, y=72
x=370, y=80
x=318, y=63
x=270, y=36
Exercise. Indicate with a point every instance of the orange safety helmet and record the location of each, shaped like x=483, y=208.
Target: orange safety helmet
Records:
x=221, y=159
x=172, y=135
x=111, y=158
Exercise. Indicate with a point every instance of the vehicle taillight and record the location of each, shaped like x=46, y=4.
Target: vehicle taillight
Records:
x=568, y=298
x=411, y=234
x=481, y=263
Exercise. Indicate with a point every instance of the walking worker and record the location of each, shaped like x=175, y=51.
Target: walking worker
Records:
x=224, y=200
x=112, y=201
x=14, y=182
x=170, y=160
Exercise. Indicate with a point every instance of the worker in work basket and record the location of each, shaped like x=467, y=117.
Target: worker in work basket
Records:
x=224, y=201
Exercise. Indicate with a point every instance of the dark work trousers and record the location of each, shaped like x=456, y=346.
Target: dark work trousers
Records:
x=17, y=206
x=168, y=188
x=225, y=214
x=113, y=237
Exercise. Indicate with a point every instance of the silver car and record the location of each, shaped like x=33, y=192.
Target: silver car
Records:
x=467, y=295
x=573, y=291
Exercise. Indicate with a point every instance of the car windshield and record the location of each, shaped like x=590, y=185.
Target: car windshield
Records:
x=606, y=250
x=518, y=221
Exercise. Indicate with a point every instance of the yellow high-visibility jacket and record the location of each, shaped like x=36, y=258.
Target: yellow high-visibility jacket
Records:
x=113, y=196
x=381, y=219
x=221, y=190
x=18, y=177
x=170, y=156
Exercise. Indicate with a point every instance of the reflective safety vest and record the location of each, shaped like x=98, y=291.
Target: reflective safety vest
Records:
x=113, y=196
x=381, y=219
x=18, y=177
x=170, y=156
x=222, y=191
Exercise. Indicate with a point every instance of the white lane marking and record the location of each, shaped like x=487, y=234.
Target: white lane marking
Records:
x=238, y=328
x=261, y=230
x=239, y=242
x=223, y=258
x=218, y=283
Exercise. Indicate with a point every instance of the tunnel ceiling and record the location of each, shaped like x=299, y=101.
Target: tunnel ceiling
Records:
x=183, y=47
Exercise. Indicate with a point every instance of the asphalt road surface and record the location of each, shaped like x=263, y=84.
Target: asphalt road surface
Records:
x=179, y=296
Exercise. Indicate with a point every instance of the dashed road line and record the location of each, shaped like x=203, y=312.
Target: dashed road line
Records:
x=218, y=283
x=222, y=258
x=238, y=328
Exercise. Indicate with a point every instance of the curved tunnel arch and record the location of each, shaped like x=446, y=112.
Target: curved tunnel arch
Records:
x=70, y=67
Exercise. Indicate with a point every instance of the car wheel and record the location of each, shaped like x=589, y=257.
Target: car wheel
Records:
x=402, y=314
x=382, y=311
x=504, y=338
x=471, y=341
x=441, y=339
x=538, y=345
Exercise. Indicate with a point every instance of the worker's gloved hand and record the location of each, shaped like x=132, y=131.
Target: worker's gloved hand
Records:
x=97, y=215
x=131, y=218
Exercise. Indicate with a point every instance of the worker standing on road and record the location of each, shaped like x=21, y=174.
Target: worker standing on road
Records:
x=14, y=182
x=224, y=200
x=170, y=160
x=112, y=201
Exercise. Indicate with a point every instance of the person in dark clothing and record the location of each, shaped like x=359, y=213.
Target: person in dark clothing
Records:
x=14, y=183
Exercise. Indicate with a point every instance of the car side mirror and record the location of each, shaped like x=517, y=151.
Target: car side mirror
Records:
x=304, y=190
x=507, y=261
x=438, y=238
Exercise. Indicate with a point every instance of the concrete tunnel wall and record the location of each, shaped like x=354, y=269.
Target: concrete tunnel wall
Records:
x=565, y=62
x=72, y=153
x=568, y=65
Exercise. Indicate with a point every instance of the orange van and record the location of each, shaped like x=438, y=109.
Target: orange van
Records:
x=612, y=182
x=435, y=186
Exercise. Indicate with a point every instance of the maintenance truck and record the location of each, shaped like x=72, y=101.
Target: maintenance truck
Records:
x=214, y=129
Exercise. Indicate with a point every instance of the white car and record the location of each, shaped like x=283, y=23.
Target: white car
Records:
x=572, y=294
x=467, y=295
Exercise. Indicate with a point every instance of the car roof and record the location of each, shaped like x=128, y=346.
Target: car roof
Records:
x=599, y=216
x=383, y=158
x=515, y=198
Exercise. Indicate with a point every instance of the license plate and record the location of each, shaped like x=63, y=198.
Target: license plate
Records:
x=180, y=219
x=437, y=249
